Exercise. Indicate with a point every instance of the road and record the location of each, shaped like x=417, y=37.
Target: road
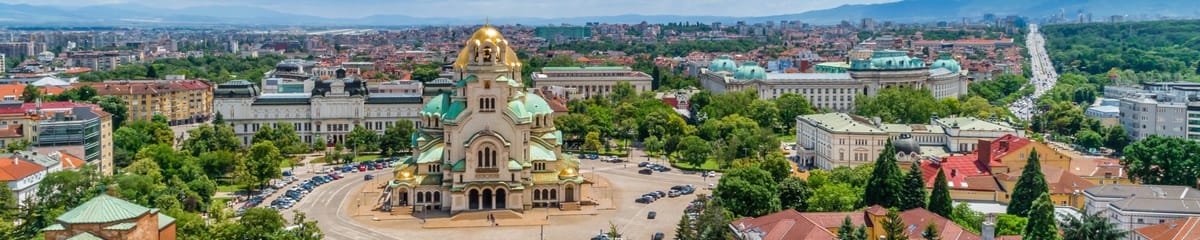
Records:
x=326, y=205
x=1043, y=76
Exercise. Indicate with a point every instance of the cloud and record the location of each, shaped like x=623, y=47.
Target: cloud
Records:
x=497, y=8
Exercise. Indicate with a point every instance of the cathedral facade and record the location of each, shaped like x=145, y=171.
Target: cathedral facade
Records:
x=488, y=144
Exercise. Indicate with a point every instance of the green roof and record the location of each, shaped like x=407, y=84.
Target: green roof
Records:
x=164, y=221
x=121, y=226
x=433, y=155
x=437, y=104
x=456, y=108
x=459, y=166
x=750, y=71
x=722, y=63
x=519, y=111
x=464, y=81
x=514, y=165
x=84, y=236
x=55, y=227
x=102, y=209
x=537, y=105
x=486, y=133
x=539, y=152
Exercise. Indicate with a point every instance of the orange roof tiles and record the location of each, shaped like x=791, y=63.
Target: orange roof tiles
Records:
x=790, y=224
x=1098, y=167
x=13, y=169
x=12, y=89
x=1059, y=180
x=71, y=161
x=1180, y=229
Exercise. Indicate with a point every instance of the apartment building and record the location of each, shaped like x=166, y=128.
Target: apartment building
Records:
x=181, y=101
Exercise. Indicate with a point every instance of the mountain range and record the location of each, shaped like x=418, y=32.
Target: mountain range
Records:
x=901, y=11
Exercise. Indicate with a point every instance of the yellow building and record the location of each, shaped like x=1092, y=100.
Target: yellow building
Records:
x=1008, y=154
x=1066, y=189
x=181, y=101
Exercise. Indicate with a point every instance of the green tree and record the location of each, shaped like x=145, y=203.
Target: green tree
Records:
x=777, y=165
x=694, y=150
x=1163, y=160
x=765, y=113
x=218, y=119
x=886, y=182
x=899, y=105
x=1041, y=224
x=684, y=230
x=914, y=189
x=848, y=231
x=398, y=136
x=893, y=226
x=31, y=93
x=969, y=219
x=794, y=193
x=262, y=161
x=1091, y=227
x=207, y=138
x=592, y=141
x=713, y=222
x=115, y=106
x=748, y=192
x=833, y=197
x=1031, y=184
x=360, y=139
x=1010, y=224
x=790, y=106
x=1088, y=139
x=266, y=133
x=217, y=163
x=939, y=200
x=18, y=145
x=931, y=232
x=8, y=204
x=1116, y=138
x=653, y=144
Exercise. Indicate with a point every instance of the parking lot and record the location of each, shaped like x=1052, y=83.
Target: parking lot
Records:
x=620, y=181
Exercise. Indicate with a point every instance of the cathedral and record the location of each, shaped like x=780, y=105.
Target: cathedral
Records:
x=488, y=144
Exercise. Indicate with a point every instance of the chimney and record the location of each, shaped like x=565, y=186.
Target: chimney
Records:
x=984, y=149
x=988, y=231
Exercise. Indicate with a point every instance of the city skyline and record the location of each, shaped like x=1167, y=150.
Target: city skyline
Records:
x=496, y=9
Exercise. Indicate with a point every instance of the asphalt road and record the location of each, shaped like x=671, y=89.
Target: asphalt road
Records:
x=1043, y=76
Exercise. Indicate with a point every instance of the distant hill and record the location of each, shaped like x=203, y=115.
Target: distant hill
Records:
x=902, y=11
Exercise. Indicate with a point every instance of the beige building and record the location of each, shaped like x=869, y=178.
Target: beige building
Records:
x=839, y=139
x=181, y=101
x=591, y=81
x=487, y=145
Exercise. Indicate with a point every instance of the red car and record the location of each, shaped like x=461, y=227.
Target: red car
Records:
x=362, y=168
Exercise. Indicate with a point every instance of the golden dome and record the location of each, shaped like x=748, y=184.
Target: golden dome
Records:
x=487, y=36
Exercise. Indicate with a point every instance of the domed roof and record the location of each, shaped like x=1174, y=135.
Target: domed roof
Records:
x=722, y=63
x=487, y=36
x=906, y=144
x=537, y=105
x=750, y=71
x=889, y=59
x=947, y=62
x=436, y=105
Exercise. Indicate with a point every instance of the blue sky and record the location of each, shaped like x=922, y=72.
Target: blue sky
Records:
x=497, y=8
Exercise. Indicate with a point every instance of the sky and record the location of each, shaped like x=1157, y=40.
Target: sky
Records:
x=496, y=8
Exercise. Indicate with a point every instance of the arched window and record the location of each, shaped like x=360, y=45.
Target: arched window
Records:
x=479, y=158
x=493, y=161
x=553, y=194
x=437, y=197
x=537, y=194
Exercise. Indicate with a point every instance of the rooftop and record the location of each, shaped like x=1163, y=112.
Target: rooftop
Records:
x=842, y=122
x=1143, y=191
x=14, y=169
x=102, y=209
x=1179, y=229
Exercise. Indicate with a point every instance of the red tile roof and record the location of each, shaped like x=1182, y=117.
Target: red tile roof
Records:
x=12, y=89
x=963, y=172
x=992, y=151
x=1098, y=168
x=1180, y=229
x=71, y=161
x=14, y=169
x=1059, y=180
x=790, y=224
x=787, y=224
x=918, y=218
x=146, y=87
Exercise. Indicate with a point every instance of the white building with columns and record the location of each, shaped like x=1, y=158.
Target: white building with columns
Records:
x=591, y=81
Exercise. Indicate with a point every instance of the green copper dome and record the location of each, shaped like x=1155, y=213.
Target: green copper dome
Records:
x=947, y=62
x=750, y=71
x=537, y=105
x=436, y=105
x=722, y=63
x=888, y=59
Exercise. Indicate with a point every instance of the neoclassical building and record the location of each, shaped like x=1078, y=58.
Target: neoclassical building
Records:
x=836, y=87
x=488, y=144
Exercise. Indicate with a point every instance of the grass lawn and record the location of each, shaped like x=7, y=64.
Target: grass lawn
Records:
x=366, y=157
x=786, y=138
x=228, y=188
x=710, y=165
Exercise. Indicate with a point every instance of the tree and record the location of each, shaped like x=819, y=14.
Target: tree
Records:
x=931, y=232
x=159, y=118
x=794, y=193
x=899, y=105
x=748, y=192
x=1163, y=160
x=18, y=145
x=1031, y=184
x=1091, y=227
x=1088, y=139
x=833, y=197
x=886, y=182
x=1041, y=224
x=893, y=226
x=765, y=113
x=115, y=106
x=790, y=106
x=684, y=230
x=612, y=231
x=1116, y=138
x=914, y=189
x=218, y=119
x=8, y=204
x=262, y=162
x=1007, y=224
x=361, y=139
x=31, y=93
x=653, y=144
x=939, y=200
x=777, y=165
x=969, y=219
x=592, y=141
x=694, y=150
x=848, y=231
x=398, y=136
x=713, y=222
x=207, y=138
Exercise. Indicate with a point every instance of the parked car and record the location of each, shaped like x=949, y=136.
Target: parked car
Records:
x=674, y=193
x=362, y=168
x=644, y=199
x=378, y=165
x=368, y=177
x=711, y=174
x=658, y=236
x=660, y=194
x=287, y=173
x=646, y=171
x=643, y=164
x=651, y=215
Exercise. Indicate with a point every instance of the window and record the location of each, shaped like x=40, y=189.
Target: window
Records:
x=487, y=104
